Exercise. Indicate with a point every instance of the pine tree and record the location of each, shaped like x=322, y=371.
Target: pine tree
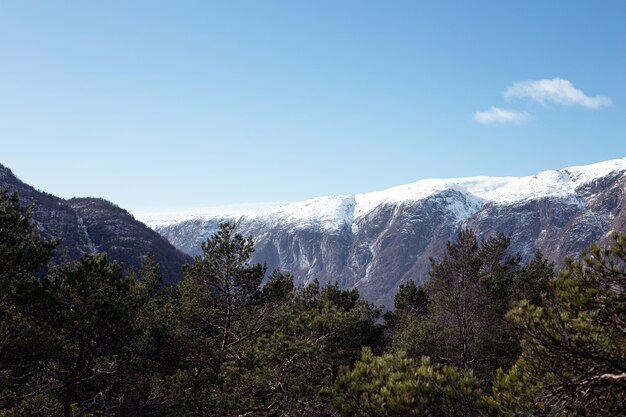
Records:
x=24, y=254
x=321, y=330
x=223, y=275
x=86, y=317
x=411, y=299
x=406, y=326
x=573, y=358
x=396, y=386
x=154, y=353
x=23, y=250
x=533, y=281
x=226, y=310
x=469, y=297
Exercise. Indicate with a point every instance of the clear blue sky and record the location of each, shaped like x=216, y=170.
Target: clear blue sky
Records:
x=161, y=105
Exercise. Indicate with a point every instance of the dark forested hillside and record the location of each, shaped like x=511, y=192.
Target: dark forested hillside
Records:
x=91, y=225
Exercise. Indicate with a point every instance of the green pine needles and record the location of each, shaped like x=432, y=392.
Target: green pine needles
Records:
x=486, y=335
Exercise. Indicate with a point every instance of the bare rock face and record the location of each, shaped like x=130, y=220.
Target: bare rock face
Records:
x=92, y=225
x=560, y=227
x=376, y=241
x=533, y=225
x=394, y=242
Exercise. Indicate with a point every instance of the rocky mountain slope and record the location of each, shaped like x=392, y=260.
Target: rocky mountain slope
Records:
x=91, y=225
x=376, y=241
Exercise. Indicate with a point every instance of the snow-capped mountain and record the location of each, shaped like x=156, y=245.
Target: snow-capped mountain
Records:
x=375, y=241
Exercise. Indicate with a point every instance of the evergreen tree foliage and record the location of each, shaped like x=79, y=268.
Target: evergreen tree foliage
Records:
x=396, y=386
x=291, y=368
x=86, y=317
x=232, y=287
x=87, y=338
x=24, y=253
x=154, y=353
x=411, y=299
x=573, y=359
x=532, y=283
x=406, y=325
x=225, y=311
x=469, y=294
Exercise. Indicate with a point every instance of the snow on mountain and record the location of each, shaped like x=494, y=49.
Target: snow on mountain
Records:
x=323, y=213
x=585, y=174
x=376, y=241
x=157, y=219
x=332, y=212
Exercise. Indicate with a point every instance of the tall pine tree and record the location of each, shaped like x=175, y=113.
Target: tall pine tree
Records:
x=469, y=297
x=24, y=254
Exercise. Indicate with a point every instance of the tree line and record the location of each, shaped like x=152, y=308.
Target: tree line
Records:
x=486, y=335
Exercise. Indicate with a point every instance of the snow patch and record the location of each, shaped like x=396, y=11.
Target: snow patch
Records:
x=585, y=174
x=470, y=194
x=91, y=246
x=323, y=213
x=225, y=212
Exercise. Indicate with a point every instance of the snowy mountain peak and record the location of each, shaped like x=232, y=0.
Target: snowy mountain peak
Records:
x=471, y=193
x=321, y=212
x=376, y=241
x=581, y=175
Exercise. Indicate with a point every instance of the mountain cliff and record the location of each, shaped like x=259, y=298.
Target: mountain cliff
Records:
x=376, y=241
x=91, y=225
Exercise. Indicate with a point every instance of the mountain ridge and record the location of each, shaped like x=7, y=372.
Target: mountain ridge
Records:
x=376, y=241
x=89, y=225
x=496, y=190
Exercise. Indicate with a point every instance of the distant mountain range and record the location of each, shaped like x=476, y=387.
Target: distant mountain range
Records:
x=376, y=241
x=90, y=225
x=372, y=241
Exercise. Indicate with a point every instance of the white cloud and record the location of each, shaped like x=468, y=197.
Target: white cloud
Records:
x=496, y=115
x=557, y=91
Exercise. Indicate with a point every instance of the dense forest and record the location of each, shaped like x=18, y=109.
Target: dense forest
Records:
x=486, y=335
